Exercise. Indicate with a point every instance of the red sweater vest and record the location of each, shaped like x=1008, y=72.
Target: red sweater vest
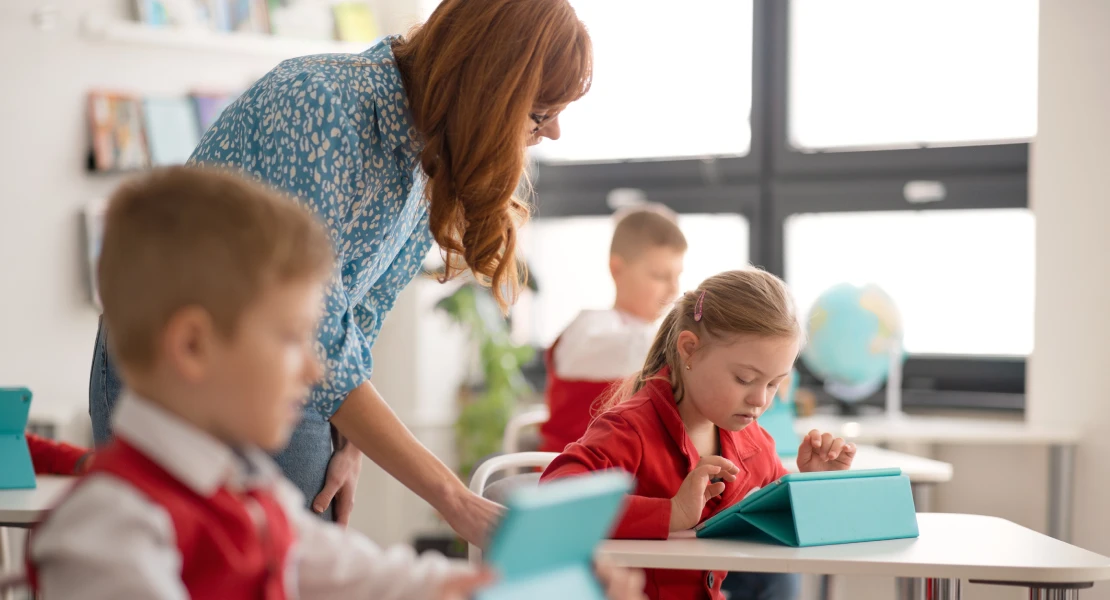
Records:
x=53, y=458
x=571, y=405
x=224, y=553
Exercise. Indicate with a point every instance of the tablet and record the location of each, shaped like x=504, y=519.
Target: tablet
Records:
x=544, y=546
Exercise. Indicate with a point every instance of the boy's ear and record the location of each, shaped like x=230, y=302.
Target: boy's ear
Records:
x=616, y=265
x=187, y=343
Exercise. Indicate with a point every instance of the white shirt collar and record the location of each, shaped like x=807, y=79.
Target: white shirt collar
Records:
x=196, y=459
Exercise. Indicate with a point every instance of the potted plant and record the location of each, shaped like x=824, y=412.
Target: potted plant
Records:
x=488, y=401
x=488, y=398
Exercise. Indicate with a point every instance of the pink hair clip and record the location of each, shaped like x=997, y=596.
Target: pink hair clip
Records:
x=697, y=307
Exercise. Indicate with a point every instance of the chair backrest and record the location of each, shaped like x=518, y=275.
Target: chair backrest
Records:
x=499, y=490
x=11, y=582
x=511, y=442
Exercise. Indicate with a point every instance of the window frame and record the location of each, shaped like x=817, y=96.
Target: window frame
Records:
x=775, y=181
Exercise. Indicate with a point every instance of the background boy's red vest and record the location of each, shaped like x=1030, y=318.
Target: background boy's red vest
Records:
x=572, y=405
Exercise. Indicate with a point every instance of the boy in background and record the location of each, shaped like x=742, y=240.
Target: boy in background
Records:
x=602, y=347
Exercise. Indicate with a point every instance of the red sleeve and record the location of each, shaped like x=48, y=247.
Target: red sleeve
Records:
x=780, y=469
x=777, y=470
x=53, y=458
x=612, y=443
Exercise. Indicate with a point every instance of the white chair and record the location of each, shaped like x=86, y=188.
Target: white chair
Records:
x=499, y=490
x=510, y=443
x=11, y=582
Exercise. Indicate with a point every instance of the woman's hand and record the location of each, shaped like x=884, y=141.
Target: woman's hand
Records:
x=341, y=483
x=472, y=516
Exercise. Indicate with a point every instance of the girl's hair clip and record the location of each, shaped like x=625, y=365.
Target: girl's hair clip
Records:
x=698, y=307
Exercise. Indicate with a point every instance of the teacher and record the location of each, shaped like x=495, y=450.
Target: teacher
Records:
x=415, y=140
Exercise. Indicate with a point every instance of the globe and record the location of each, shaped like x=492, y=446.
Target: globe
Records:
x=852, y=332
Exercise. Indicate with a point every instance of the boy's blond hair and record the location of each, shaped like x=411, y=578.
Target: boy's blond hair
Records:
x=646, y=227
x=186, y=236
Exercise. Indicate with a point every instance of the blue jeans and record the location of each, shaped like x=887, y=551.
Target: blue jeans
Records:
x=761, y=586
x=304, y=460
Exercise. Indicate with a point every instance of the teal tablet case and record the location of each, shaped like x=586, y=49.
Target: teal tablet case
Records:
x=16, y=470
x=816, y=509
x=543, y=549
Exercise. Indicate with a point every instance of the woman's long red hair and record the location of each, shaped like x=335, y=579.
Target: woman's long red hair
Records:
x=474, y=73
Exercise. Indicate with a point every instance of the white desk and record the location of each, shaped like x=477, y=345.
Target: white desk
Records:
x=914, y=429
x=877, y=429
x=924, y=473
x=951, y=547
x=24, y=508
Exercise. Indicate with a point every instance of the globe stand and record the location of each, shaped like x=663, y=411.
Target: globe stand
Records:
x=894, y=382
x=848, y=409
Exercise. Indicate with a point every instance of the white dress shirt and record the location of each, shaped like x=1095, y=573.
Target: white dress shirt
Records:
x=603, y=345
x=109, y=541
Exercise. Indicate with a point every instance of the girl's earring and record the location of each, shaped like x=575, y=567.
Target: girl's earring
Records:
x=687, y=367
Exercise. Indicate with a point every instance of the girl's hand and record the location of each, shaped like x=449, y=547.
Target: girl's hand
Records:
x=698, y=488
x=823, y=452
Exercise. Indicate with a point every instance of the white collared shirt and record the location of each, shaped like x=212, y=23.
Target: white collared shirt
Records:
x=603, y=345
x=108, y=541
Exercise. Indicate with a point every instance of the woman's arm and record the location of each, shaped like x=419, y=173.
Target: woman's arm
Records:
x=366, y=421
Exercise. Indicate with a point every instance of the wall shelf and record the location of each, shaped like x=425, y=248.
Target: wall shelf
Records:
x=104, y=29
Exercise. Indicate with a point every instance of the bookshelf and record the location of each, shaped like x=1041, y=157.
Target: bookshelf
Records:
x=113, y=30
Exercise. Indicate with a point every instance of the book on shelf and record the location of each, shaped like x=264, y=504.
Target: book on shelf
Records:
x=116, y=132
x=171, y=128
x=354, y=22
x=252, y=16
x=94, y=213
x=130, y=132
x=209, y=106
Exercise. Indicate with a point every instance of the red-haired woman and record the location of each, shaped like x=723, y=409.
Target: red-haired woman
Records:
x=418, y=139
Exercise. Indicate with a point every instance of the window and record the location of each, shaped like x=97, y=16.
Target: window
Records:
x=911, y=73
x=671, y=80
x=569, y=258
x=962, y=279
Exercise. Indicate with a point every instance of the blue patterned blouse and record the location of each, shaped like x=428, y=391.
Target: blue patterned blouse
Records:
x=335, y=132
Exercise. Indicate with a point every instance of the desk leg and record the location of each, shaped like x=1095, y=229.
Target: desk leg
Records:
x=942, y=589
x=1053, y=594
x=824, y=587
x=1061, y=486
x=1045, y=591
x=907, y=588
x=5, y=550
x=5, y=560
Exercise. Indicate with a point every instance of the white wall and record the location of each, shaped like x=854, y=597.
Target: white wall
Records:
x=1069, y=381
x=47, y=324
